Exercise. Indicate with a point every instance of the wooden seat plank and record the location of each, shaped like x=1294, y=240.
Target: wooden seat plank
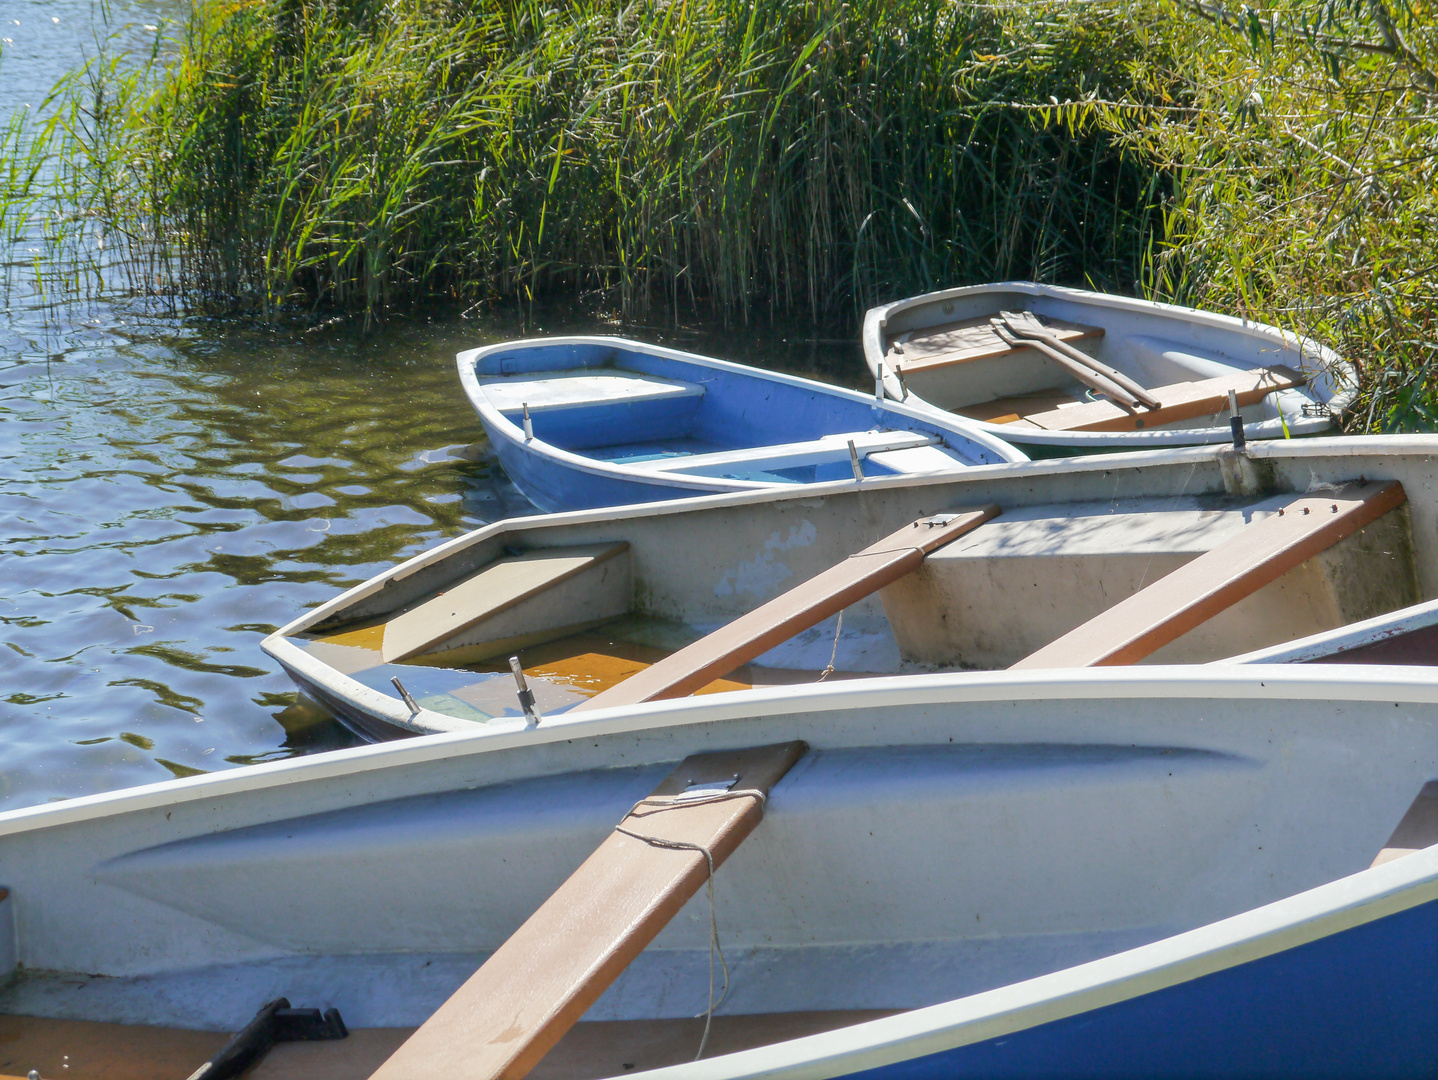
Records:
x=494, y=588
x=1417, y=830
x=826, y=593
x=965, y=341
x=792, y=455
x=1220, y=577
x=1179, y=401
x=538, y=983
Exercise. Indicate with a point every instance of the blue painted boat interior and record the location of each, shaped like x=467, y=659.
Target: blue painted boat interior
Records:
x=722, y=410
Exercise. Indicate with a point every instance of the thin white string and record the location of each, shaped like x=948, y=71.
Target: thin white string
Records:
x=838, y=629
x=682, y=845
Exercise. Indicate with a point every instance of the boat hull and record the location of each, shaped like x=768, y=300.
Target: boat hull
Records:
x=618, y=422
x=1099, y=873
x=705, y=562
x=1358, y=1003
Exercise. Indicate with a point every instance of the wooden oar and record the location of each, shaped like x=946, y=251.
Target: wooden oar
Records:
x=827, y=593
x=1025, y=324
x=539, y=982
x=1261, y=552
x=1082, y=372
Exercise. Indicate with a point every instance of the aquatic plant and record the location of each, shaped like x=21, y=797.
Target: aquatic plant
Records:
x=732, y=153
x=742, y=156
x=1302, y=139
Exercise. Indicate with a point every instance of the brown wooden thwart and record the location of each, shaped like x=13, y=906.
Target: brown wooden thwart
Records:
x=1219, y=578
x=1179, y=401
x=968, y=340
x=539, y=982
x=826, y=593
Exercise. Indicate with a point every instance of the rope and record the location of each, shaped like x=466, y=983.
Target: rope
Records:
x=838, y=629
x=683, y=845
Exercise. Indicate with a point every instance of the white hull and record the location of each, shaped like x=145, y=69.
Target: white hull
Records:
x=995, y=851
x=703, y=562
x=1153, y=343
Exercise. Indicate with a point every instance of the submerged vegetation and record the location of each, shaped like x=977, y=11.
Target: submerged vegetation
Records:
x=762, y=155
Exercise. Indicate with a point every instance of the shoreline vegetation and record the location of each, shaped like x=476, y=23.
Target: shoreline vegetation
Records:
x=297, y=158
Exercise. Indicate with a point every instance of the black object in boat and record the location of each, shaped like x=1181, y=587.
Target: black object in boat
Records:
x=276, y=1022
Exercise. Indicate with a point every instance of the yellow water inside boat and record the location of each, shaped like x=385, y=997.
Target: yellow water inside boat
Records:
x=562, y=672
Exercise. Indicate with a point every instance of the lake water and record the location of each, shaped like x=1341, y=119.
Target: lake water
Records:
x=172, y=489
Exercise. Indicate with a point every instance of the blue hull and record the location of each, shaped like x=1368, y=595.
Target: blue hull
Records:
x=614, y=422
x=1359, y=1003
x=554, y=488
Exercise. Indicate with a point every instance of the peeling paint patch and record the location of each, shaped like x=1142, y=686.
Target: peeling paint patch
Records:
x=763, y=576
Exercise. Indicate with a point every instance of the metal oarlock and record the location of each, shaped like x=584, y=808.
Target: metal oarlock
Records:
x=528, y=424
x=854, y=461
x=879, y=384
x=1235, y=421
x=404, y=695
x=526, y=695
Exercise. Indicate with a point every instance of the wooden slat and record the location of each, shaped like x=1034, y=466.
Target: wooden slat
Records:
x=1195, y=592
x=539, y=982
x=495, y=588
x=826, y=593
x=1417, y=830
x=1179, y=401
x=968, y=340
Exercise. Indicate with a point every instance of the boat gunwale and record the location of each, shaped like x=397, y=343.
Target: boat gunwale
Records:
x=1310, y=682
x=1328, y=360
x=1356, y=635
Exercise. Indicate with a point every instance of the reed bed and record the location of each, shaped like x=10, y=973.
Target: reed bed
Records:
x=738, y=154
x=759, y=157
x=1302, y=139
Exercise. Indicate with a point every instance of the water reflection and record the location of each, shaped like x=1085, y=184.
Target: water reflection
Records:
x=171, y=490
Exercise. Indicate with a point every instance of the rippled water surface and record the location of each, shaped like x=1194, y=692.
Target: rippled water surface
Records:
x=172, y=489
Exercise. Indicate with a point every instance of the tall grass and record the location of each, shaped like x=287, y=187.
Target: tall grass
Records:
x=1278, y=162
x=1302, y=138
x=732, y=153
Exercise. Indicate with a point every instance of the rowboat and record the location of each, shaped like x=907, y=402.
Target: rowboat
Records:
x=582, y=422
x=1058, y=370
x=1192, y=871
x=1186, y=555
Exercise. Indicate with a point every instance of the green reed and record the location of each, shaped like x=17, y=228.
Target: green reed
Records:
x=1303, y=142
x=735, y=153
x=743, y=156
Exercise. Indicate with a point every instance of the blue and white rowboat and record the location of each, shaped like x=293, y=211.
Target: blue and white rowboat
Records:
x=1186, y=872
x=583, y=422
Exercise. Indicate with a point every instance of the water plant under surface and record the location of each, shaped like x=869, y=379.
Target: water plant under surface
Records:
x=764, y=155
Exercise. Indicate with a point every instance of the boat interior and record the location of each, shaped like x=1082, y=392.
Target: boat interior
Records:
x=1046, y=362
x=413, y=887
x=1191, y=557
x=618, y=402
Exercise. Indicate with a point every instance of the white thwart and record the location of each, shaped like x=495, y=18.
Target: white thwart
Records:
x=818, y=451
x=546, y=390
